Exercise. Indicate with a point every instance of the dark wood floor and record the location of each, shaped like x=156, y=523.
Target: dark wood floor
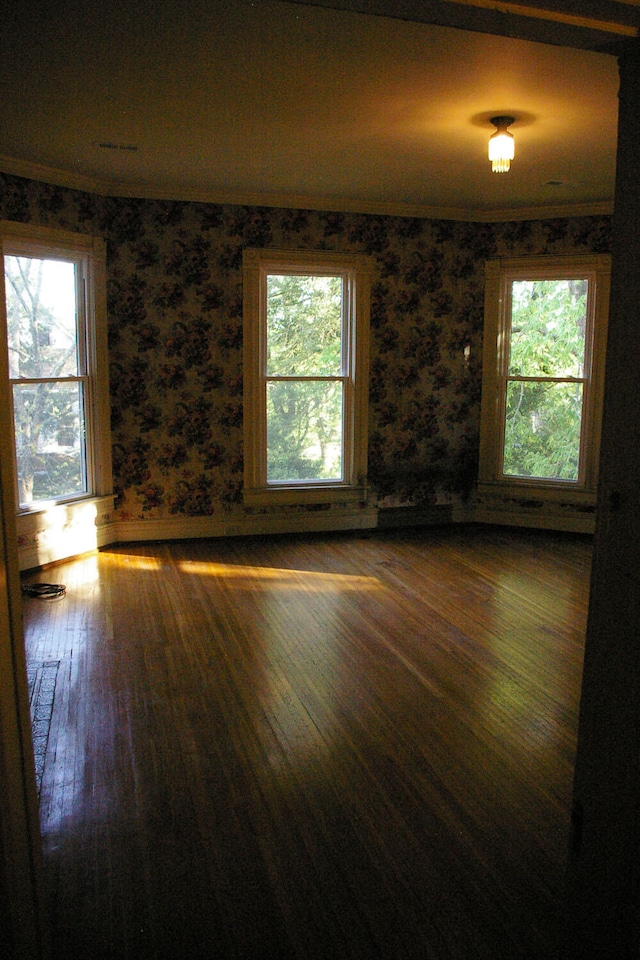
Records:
x=338, y=747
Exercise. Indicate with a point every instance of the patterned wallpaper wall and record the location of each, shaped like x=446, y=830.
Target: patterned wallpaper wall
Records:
x=175, y=336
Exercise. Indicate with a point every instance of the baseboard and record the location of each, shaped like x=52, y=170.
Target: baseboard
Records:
x=190, y=528
x=567, y=523
x=61, y=531
x=570, y=511
x=54, y=536
x=429, y=516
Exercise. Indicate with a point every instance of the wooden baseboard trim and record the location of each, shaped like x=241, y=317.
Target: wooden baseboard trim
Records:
x=38, y=551
x=189, y=528
x=569, y=523
x=390, y=517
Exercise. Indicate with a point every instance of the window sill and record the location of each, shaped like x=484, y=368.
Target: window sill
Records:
x=551, y=490
x=308, y=494
x=47, y=506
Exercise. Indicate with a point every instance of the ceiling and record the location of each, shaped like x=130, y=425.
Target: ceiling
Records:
x=295, y=104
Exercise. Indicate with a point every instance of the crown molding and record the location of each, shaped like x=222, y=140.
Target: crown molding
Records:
x=147, y=191
x=52, y=175
x=606, y=26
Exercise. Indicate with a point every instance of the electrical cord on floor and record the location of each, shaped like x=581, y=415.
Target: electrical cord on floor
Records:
x=44, y=591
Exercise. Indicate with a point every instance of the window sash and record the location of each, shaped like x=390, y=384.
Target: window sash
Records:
x=527, y=276
x=571, y=457
x=81, y=484
x=343, y=457
x=354, y=270
x=76, y=484
x=343, y=319
x=88, y=255
x=501, y=274
x=345, y=376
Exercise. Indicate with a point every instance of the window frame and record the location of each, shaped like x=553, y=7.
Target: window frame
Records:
x=89, y=254
x=499, y=274
x=356, y=271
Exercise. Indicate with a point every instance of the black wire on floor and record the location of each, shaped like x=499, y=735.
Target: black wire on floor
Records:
x=44, y=591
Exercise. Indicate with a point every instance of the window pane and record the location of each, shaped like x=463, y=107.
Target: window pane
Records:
x=542, y=430
x=41, y=317
x=304, y=326
x=548, y=322
x=49, y=429
x=304, y=430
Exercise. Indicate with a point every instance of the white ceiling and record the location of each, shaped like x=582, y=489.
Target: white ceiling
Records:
x=286, y=104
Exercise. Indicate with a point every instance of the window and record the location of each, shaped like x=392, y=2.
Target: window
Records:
x=545, y=332
x=306, y=369
x=55, y=358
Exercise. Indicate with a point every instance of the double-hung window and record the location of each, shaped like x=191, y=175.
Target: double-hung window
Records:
x=306, y=341
x=54, y=347
x=545, y=335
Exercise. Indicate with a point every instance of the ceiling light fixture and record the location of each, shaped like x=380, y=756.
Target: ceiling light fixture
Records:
x=501, y=147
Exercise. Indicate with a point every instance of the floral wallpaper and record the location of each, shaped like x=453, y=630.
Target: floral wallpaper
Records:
x=175, y=336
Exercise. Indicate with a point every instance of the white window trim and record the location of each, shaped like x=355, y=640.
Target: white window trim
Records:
x=30, y=240
x=499, y=274
x=353, y=488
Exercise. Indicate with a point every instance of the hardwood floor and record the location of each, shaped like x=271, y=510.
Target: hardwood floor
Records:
x=322, y=747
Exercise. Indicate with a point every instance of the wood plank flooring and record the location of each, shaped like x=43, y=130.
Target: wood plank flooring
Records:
x=324, y=747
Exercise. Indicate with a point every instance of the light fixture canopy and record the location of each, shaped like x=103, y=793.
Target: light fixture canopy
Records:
x=501, y=145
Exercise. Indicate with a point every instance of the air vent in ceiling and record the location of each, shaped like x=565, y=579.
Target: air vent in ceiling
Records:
x=563, y=183
x=111, y=145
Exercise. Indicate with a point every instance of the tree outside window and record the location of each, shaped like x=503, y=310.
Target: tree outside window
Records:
x=545, y=379
x=53, y=348
x=543, y=373
x=306, y=364
x=46, y=373
x=304, y=377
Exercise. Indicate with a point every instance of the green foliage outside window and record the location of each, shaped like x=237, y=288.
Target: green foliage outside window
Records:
x=544, y=391
x=304, y=385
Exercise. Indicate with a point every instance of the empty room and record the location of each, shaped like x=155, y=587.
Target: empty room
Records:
x=318, y=478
